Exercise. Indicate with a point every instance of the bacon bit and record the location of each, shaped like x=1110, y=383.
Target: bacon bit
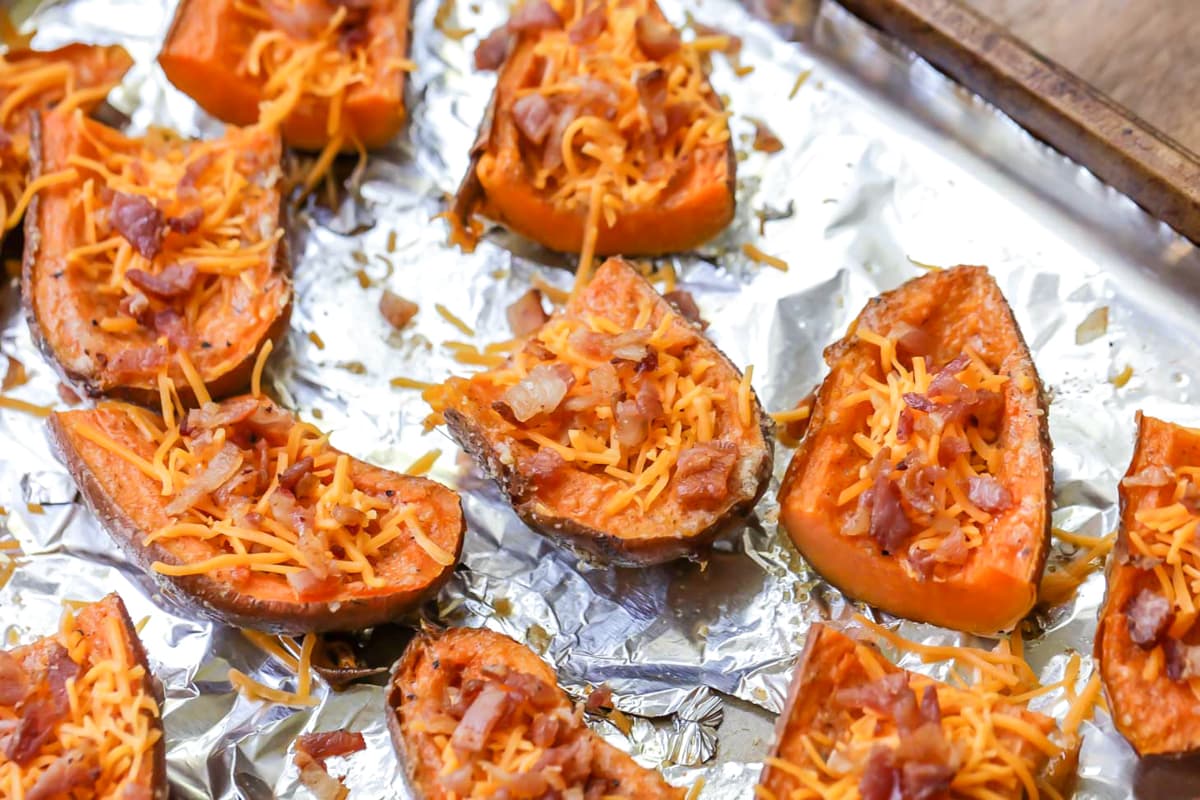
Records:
x=649, y=401
x=534, y=16
x=632, y=424
x=989, y=494
x=931, y=709
x=904, y=424
x=223, y=466
x=912, y=341
x=76, y=769
x=656, y=38
x=631, y=345
x=397, y=310
x=327, y=744
x=480, y=719
x=589, y=26
x=951, y=447
x=174, y=281
x=493, y=50
x=1154, y=476
x=685, y=304
x=45, y=709
x=292, y=475
x=526, y=314
x=170, y=323
x=889, y=526
x=919, y=401
x=702, y=474
x=539, y=392
x=600, y=697
x=889, y=696
x=545, y=468
x=1182, y=660
x=67, y=394
x=139, y=222
x=533, y=117
x=606, y=385
x=879, y=780
x=134, y=306
x=211, y=416
x=1139, y=561
x=348, y=516
x=14, y=683
x=1148, y=615
x=544, y=729
x=652, y=94
x=765, y=141
x=188, y=222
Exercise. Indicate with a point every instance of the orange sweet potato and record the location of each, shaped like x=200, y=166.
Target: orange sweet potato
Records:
x=131, y=268
x=1147, y=640
x=358, y=58
x=618, y=428
x=928, y=496
x=668, y=183
x=59, y=747
x=479, y=685
x=921, y=736
x=333, y=543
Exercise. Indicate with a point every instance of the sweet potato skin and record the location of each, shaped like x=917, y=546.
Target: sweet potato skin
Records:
x=1160, y=717
x=609, y=546
x=496, y=185
x=419, y=673
x=205, y=44
x=984, y=597
x=91, y=622
x=95, y=383
x=98, y=473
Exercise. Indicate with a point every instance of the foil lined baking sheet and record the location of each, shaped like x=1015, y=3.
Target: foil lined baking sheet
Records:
x=886, y=166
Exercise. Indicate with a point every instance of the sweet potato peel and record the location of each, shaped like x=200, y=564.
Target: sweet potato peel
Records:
x=131, y=270
x=617, y=428
x=667, y=180
x=463, y=693
x=69, y=698
x=329, y=73
x=1147, y=640
x=923, y=488
x=268, y=528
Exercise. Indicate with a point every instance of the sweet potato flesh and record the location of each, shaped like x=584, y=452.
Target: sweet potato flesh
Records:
x=331, y=74
x=1148, y=642
x=62, y=736
x=604, y=120
x=921, y=485
x=856, y=723
x=616, y=416
x=154, y=254
x=245, y=497
x=32, y=81
x=460, y=700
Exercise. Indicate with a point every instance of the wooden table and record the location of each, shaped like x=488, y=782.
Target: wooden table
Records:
x=1145, y=54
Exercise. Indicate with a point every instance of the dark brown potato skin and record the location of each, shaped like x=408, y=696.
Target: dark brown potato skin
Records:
x=97, y=384
x=608, y=546
x=981, y=599
x=220, y=601
x=90, y=619
x=474, y=649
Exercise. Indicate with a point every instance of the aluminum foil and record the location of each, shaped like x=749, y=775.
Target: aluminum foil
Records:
x=887, y=166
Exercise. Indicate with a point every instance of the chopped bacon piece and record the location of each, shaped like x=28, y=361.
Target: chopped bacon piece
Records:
x=134, y=305
x=600, y=697
x=544, y=729
x=492, y=51
x=1153, y=476
x=989, y=494
x=14, y=683
x=631, y=345
x=919, y=401
x=292, y=475
x=889, y=696
x=591, y=344
x=685, y=304
x=397, y=310
x=912, y=341
x=545, y=468
x=211, y=416
x=480, y=719
x=349, y=516
x=75, y=769
x=632, y=425
x=327, y=744
x=951, y=447
x=765, y=140
x=188, y=222
x=224, y=465
x=174, y=281
x=171, y=323
x=139, y=221
x=47, y=705
x=533, y=16
x=1182, y=660
x=649, y=402
x=526, y=314
x=533, y=117
x=655, y=37
x=605, y=382
x=931, y=709
x=890, y=526
x=652, y=94
x=879, y=780
x=924, y=780
x=589, y=26
x=702, y=474
x=1138, y=560
x=539, y=392
x=1148, y=614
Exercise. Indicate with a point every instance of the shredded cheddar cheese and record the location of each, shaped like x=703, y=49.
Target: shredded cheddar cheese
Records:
x=110, y=716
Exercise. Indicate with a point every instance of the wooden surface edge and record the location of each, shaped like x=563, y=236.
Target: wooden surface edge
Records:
x=1156, y=172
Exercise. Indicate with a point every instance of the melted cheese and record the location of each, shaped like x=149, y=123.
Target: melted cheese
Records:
x=985, y=723
x=110, y=713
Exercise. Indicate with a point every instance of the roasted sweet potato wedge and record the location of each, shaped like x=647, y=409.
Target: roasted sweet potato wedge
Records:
x=254, y=518
x=330, y=73
x=617, y=427
x=856, y=726
x=472, y=712
x=80, y=711
x=923, y=482
x=75, y=76
x=155, y=258
x=1148, y=642
x=603, y=135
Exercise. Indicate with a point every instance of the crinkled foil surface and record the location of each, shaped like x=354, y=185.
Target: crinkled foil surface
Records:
x=885, y=163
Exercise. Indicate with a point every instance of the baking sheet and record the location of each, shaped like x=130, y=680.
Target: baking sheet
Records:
x=886, y=166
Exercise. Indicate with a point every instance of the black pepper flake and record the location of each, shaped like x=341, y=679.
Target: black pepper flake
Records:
x=95, y=324
x=58, y=274
x=390, y=492
x=206, y=345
